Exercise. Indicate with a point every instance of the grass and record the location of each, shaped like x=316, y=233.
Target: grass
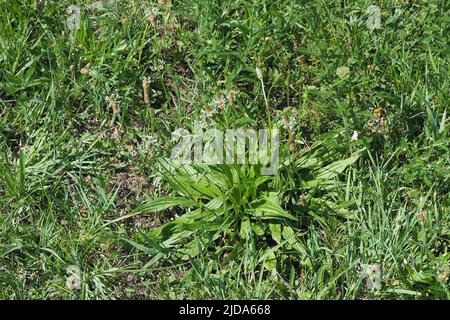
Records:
x=86, y=118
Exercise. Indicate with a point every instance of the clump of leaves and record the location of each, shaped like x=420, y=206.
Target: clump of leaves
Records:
x=234, y=210
x=228, y=208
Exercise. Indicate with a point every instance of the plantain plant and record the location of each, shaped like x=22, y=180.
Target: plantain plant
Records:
x=234, y=210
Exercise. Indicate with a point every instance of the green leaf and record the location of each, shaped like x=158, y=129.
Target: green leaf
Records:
x=158, y=205
x=290, y=236
x=275, y=230
x=161, y=204
x=337, y=167
x=269, y=208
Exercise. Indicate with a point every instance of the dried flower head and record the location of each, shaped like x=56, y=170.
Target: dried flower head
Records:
x=422, y=218
x=443, y=277
x=113, y=105
x=145, y=83
x=86, y=70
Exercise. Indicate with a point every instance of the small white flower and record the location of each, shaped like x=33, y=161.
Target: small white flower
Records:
x=354, y=136
x=343, y=72
x=259, y=73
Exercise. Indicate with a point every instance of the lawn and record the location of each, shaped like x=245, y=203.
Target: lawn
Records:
x=92, y=205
